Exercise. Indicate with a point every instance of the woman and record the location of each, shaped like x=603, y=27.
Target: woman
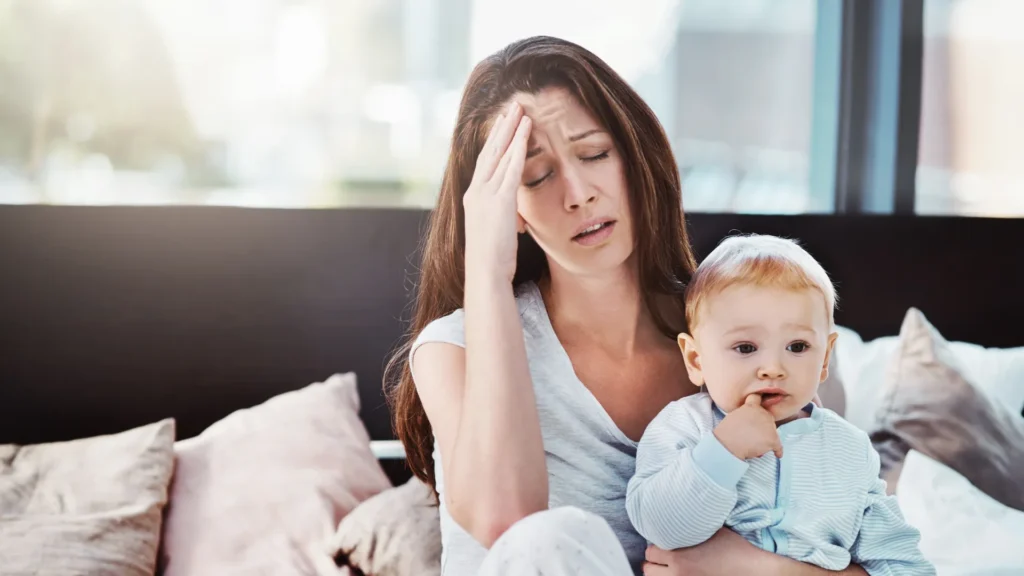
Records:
x=549, y=301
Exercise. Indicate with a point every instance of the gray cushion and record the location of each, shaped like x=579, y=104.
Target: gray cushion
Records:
x=88, y=506
x=929, y=406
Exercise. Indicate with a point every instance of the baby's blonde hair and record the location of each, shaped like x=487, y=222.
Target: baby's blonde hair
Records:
x=758, y=260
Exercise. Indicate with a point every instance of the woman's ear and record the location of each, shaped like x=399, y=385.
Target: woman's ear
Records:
x=688, y=346
x=828, y=356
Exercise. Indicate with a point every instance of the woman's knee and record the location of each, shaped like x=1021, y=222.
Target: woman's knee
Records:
x=556, y=523
x=564, y=540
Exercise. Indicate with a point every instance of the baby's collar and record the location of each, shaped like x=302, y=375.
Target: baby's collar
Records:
x=796, y=427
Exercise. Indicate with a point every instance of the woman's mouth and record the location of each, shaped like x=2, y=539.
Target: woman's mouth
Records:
x=595, y=233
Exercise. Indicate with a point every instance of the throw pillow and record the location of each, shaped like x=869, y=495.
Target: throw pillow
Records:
x=963, y=531
x=998, y=371
x=395, y=533
x=261, y=491
x=929, y=406
x=87, y=506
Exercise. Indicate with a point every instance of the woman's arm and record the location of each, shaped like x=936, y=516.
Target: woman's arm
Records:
x=480, y=400
x=481, y=405
x=729, y=553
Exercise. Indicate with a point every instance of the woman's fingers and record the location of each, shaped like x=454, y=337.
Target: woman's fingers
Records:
x=656, y=570
x=510, y=170
x=656, y=555
x=498, y=141
x=482, y=163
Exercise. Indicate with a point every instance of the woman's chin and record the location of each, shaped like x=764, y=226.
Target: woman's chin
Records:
x=600, y=260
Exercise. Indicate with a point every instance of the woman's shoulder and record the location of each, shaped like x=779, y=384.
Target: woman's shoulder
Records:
x=451, y=328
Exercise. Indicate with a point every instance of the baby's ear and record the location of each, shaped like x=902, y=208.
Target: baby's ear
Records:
x=691, y=356
x=828, y=355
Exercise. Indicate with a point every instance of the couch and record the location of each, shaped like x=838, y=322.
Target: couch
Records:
x=115, y=318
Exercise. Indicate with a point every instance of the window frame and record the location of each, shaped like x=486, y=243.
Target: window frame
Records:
x=867, y=104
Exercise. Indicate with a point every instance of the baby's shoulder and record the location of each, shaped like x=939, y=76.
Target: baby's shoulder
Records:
x=697, y=405
x=837, y=426
x=693, y=413
x=848, y=444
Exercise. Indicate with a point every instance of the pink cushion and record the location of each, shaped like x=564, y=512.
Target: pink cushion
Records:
x=261, y=491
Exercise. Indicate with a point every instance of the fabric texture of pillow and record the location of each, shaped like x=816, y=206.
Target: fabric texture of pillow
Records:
x=963, y=531
x=87, y=506
x=395, y=533
x=261, y=491
x=863, y=364
x=929, y=406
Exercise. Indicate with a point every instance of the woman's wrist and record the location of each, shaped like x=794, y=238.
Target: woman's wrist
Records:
x=487, y=282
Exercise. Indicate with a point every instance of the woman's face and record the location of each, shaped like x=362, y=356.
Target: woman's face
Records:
x=573, y=197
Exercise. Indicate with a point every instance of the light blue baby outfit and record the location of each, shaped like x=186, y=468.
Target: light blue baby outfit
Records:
x=821, y=503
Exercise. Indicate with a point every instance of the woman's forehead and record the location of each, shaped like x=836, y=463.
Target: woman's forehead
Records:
x=555, y=107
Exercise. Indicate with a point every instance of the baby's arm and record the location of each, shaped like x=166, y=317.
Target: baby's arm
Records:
x=685, y=482
x=886, y=545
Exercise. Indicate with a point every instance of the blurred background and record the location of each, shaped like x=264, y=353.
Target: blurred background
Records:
x=329, y=103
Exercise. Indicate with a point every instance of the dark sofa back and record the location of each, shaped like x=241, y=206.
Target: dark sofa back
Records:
x=113, y=317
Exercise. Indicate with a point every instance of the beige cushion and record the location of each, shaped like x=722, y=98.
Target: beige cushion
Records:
x=88, y=506
x=929, y=406
x=395, y=533
x=261, y=491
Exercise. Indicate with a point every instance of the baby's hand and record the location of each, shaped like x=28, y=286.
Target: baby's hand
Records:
x=749, y=431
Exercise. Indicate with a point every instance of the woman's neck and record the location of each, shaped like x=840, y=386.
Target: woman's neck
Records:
x=606, y=310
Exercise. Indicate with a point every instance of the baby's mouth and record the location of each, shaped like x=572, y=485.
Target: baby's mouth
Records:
x=769, y=399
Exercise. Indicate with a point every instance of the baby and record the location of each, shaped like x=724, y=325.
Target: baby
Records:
x=753, y=452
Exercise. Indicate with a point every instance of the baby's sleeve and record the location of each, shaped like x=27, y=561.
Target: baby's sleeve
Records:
x=886, y=545
x=684, y=486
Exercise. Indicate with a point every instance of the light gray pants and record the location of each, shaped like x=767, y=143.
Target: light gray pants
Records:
x=558, y=542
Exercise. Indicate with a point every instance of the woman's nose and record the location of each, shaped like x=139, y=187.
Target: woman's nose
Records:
x=577, y=192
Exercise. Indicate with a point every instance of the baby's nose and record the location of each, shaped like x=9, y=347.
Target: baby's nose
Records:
x=771, y=373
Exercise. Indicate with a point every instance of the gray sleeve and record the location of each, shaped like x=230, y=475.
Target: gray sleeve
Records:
x=448, y=329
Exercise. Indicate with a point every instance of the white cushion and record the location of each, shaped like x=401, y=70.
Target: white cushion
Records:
x=964, y=532
x=999, y=372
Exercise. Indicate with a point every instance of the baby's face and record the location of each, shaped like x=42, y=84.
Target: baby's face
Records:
x=771, y=341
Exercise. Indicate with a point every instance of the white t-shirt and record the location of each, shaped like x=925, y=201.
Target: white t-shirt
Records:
x=589, y=459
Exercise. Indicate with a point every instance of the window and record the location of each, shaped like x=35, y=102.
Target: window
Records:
x=741, y=123
x=772, y=106
x=321, y=103
x=971, y=152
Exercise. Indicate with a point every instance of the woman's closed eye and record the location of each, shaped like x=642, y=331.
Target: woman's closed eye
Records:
x=585, y=159
x=538, y=181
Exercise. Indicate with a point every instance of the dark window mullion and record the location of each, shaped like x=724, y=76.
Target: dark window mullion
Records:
x=879, y=105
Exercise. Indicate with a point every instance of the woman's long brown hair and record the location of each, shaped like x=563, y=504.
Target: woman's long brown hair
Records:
x=662, y=249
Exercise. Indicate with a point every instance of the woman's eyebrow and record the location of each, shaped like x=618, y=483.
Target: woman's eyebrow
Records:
x=582, y=135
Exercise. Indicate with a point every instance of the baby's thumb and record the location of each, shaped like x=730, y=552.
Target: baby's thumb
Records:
x=752, y=400
x=778, y=448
